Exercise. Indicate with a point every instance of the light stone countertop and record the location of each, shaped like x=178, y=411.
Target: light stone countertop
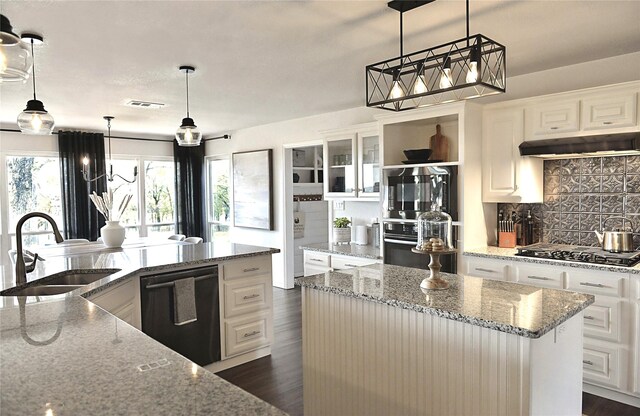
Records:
x=510, y=254
x=64, y=354
x=354, y=250
x=513, y=308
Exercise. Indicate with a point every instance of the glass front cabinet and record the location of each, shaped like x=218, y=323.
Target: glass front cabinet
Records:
x=351, y=162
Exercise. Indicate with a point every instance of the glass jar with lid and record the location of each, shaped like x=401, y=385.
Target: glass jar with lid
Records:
x=434, y=230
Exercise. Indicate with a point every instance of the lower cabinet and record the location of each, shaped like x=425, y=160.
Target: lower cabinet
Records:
x=611, y=356
x=316, y=262
x=122, y=300
x=247, y=333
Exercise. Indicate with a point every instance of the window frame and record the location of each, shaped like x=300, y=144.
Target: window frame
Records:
x=209, y=189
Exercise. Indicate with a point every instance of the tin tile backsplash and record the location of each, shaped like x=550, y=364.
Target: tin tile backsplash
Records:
x=580, y=194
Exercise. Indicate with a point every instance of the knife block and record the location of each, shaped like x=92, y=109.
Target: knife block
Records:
x=507, y=239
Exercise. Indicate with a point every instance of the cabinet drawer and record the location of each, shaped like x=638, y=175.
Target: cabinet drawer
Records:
x=317, y=259
x=311, y=269
x=596, y=282
x=603, y=319
x=250, y=266
x=601, y=365
x=487, y=269
x=609, y=112
x=548, y=119
x=545, y=276
x=341, y=263
x=247, y=334
x=245, y=296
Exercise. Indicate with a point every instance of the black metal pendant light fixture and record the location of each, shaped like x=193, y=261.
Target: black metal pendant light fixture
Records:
x=470, y=67
x=188, y=133
x=34, y=119
x=110, y=176
x=15, y=59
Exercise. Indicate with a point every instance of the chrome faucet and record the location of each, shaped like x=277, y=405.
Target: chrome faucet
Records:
x=21, y=268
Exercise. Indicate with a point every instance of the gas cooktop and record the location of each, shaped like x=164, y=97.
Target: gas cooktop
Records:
x=584, y=254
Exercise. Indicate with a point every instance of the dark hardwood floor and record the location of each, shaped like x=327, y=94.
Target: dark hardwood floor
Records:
x=278, y=379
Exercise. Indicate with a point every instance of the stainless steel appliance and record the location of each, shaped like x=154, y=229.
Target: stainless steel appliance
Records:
x=199, y=341
x=413, y=190
x=400, y=236
x=581, y=254
x=618, y=240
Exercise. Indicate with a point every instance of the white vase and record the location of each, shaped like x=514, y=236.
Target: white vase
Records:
x=112, y=234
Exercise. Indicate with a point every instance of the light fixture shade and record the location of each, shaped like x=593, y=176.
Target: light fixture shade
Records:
x=453, y=59
x=15, y=58
x=35, y=119
x=188, y=133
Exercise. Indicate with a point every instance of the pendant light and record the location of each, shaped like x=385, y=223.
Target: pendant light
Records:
x=474, y=66
x=188, y=133
x=34, y=119
x=15, y=59
x=110, y=176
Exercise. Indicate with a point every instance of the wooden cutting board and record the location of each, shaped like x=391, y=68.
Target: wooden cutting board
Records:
x=439, y=146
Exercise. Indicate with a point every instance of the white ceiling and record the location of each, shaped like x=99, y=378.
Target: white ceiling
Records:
x=264, y=61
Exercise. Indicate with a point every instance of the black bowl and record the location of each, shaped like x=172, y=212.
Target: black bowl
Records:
x=418, y=155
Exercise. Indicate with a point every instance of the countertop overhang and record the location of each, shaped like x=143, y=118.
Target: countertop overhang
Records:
x=66, y=355
x=513, y=308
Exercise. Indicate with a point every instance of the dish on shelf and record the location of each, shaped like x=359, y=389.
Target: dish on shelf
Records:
x=416, y=162
x=417, y=154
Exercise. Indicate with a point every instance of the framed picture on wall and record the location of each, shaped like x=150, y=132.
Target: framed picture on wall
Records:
x=253, y=189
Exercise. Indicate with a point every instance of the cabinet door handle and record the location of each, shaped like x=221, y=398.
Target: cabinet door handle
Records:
x=252, y=269
x=553, y=128
x=351, y=265
x=587, y=362
x=250, y=334
x=480, y=269
x=589, y=317
x=592, y=284
x=538, y=277
x=317, y=260
x=255, y=295
x=607, y=122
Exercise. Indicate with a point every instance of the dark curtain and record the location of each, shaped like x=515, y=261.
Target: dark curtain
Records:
x=191, y=218
x=81, y=219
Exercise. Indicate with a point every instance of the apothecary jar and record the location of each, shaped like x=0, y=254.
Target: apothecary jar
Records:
x=434, y=230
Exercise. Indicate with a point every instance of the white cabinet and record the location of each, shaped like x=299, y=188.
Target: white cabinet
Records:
x=351, y=162
x=604, y=112
x=506, y=176
x=539, y=275
x=246, y=308
x=122, y=300
x=601, y=364
x=487, y=268
x=635, y=304
x=316, y=262
x=550, y=118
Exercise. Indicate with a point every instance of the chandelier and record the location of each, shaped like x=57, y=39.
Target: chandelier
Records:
x=471, y=67
x=110, y=176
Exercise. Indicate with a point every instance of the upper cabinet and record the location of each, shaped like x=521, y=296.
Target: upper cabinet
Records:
x=506, y=176
x=351, y=162
x=602, y=110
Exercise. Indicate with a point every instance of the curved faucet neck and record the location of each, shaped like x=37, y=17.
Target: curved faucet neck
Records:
x=21, y=268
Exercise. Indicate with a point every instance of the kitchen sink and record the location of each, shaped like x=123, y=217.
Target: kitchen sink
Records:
x=43, y=290
x=78, y=278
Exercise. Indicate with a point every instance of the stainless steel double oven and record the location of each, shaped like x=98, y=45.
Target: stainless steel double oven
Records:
x=408, y=193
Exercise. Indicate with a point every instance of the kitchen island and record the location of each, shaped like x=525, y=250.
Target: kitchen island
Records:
x=64, y=355
x=375, y=343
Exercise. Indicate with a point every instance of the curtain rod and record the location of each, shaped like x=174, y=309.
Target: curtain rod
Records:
x=224, y=136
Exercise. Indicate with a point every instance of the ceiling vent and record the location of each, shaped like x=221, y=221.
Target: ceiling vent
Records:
x=143, y=104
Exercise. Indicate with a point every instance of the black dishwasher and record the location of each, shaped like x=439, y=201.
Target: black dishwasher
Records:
x=199, y=341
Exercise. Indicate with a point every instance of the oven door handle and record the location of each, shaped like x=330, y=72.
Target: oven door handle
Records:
x=406, y=243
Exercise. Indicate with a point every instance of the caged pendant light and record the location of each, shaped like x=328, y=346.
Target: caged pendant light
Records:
x=110, y=175
x=34, y=119
x=471, y=67
x=188, y=133
x=15, y=59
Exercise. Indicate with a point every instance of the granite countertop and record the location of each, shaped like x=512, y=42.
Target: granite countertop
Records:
x=510, y=254
x=354, y=250
x=65, y=356
x=513, y=308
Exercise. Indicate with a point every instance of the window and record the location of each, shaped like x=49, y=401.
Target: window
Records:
x=219, y=206
x=33, y=184
x=159, y=197
x=130, y=217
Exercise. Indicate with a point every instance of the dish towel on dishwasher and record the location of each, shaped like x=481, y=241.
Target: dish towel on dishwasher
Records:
x=184, y=301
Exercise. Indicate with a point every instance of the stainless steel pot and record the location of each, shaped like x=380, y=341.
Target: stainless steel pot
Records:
x=619, y=239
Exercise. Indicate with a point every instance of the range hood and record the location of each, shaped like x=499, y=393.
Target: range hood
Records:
x=584, y=146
